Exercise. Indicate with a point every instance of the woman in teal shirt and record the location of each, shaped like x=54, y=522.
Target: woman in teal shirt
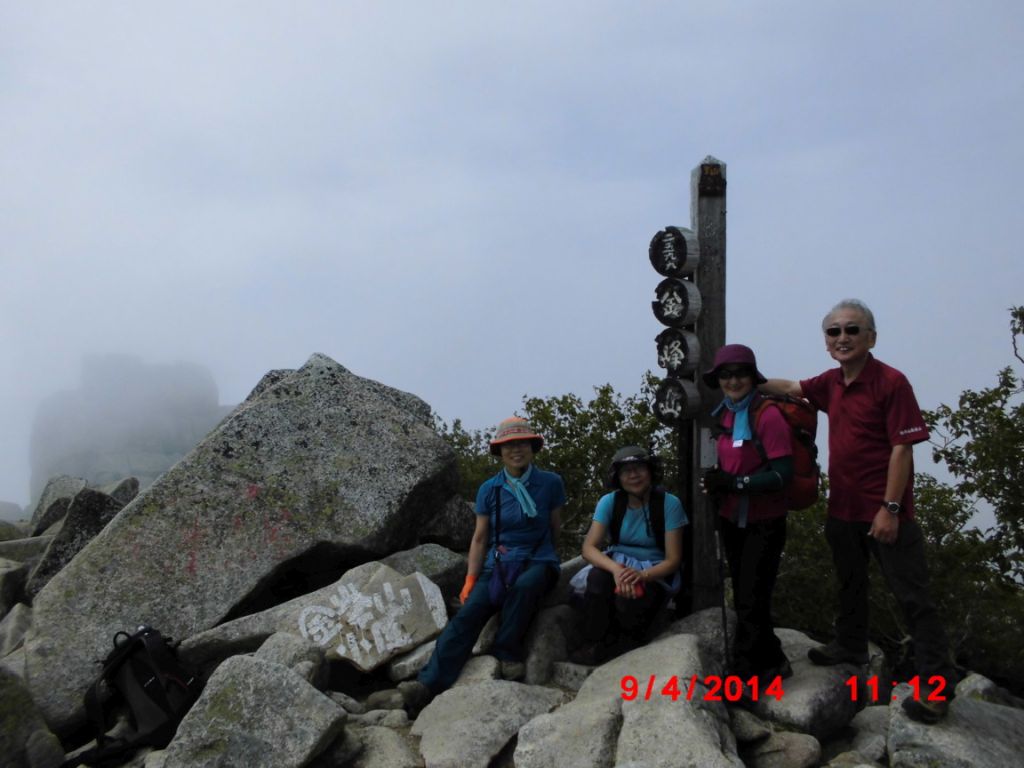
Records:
x=629, y=581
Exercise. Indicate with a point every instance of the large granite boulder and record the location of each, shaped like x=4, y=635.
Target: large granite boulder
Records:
x=254, y=712
x=371, y=615
x=321, y=462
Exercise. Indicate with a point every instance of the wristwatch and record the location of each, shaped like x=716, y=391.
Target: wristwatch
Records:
x=893, y=506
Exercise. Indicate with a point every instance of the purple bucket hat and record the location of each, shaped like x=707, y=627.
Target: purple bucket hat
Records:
x=733, y=354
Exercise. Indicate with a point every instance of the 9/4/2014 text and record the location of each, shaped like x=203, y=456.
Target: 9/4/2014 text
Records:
x=715, y=688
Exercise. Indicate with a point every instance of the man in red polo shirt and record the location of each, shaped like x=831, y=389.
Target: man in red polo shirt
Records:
x=874, y=422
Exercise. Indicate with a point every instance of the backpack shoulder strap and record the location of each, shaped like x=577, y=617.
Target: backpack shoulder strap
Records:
x=497, y=518
x=657, y=509
x=760, y=404
x=618, y=515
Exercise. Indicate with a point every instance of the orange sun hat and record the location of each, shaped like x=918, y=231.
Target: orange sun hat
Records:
x=515, y=428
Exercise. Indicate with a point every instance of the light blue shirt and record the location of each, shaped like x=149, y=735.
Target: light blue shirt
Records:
x=634, y=539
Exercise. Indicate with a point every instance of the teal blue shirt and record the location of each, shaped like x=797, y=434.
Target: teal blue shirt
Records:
x=520, y=533
x=635, y=539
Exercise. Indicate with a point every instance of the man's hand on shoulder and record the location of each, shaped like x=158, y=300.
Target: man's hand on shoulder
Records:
x=885, y=527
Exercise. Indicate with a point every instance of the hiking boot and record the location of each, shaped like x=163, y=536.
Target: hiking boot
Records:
x=923, y=710
x=415, y=695
x=835, y=653
x=512, y=670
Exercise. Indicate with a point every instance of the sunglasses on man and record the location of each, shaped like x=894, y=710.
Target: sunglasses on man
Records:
x=849, y=330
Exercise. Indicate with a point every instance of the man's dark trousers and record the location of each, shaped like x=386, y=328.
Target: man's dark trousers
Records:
x=906, y=572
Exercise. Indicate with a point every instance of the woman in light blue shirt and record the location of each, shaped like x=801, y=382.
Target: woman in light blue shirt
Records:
x=635, y=548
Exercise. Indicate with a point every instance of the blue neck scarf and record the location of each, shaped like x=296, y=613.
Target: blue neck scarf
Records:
x=741, y=422
x=517, y=485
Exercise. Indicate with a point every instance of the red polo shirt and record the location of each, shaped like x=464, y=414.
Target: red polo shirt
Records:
x=866, y=418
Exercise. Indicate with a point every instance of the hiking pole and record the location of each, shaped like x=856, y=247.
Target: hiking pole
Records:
x=721, y=586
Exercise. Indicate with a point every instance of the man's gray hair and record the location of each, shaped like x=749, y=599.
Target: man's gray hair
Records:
x=855, y=304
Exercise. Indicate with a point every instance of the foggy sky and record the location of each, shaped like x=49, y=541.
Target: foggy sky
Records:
x=456, y=199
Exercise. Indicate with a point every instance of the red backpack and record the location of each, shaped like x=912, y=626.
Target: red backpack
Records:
x=804, y=487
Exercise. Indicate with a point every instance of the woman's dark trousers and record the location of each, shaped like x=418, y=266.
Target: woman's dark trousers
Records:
x=754, y=554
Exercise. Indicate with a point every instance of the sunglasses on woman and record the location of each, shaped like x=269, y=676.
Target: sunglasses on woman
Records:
x=724, y=374
x=835, y=330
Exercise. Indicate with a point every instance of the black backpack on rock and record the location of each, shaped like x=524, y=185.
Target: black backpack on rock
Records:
x=144, y=672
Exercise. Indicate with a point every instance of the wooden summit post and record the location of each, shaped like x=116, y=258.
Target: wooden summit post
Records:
x=707, y=217
x=691, y=302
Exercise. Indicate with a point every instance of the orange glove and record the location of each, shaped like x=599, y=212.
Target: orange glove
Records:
x=467, y=588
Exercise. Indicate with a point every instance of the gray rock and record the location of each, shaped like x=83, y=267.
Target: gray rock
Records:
x=10, y=531
x=43, y=750
x=296, y=653
x=545, y=642
x=14, y=663
x=27, y=550
x=343, y=751
x=255, y=713
x=851, y=759
x=581, y=734
x=975, y=734
x=569, y=676
x=451, y=526
x=409, y=664
x=87, y=515
x=815, y=699
x=385, y=718
x=388, y=698
x=479, y=669
x=298, y=468
x=747, y=727
x=384, y=748
x=367, y=617
x=497, y=710
x=21, y=720
x=784, y=750
x=122, y=491
x=61, y=488
x=347, y=703
x=871, y=726
x=13, y=627
x=976, y=686
x=445, y=568
x=12, y=584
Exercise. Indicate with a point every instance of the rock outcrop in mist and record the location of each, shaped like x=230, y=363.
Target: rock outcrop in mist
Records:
x=127, y=419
